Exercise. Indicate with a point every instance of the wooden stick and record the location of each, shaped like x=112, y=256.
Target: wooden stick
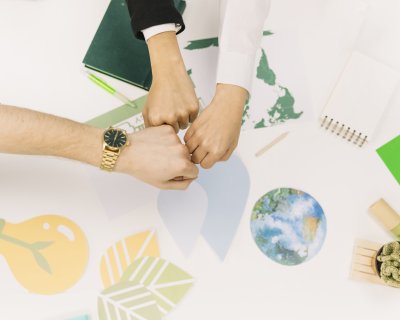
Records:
x=271, y=144
x=363, y=262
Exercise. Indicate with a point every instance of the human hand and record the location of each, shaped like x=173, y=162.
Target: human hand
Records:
x=172, y=99
x=157, y=157
x=215, y=133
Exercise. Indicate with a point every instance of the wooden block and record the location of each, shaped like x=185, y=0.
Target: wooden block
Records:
x=364, y=268
x=366, y=277
x=363, y=262
x=360, y=259
x=364, y=252
x=367, y=244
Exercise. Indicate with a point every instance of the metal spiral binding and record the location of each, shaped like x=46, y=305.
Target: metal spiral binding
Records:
x=344, y=131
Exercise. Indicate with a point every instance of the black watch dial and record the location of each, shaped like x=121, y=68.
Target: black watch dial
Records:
x=115, y=138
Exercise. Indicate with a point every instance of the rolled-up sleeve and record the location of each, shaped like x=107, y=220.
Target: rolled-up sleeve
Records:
x=148, y=13
x=241, y=28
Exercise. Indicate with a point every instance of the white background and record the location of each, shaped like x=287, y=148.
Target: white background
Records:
x=42, y=44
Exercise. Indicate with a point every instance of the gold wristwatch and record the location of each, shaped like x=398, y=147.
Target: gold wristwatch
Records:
x=114, y=141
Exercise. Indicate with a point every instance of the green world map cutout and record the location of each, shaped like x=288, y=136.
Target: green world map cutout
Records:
x=282, y=110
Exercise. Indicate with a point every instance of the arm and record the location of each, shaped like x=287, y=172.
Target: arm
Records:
x=155, y=155
x=172, y=99
x=215, y=134
x=241, y=28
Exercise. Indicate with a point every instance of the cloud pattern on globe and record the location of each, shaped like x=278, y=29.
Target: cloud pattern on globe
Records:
x=288, y=225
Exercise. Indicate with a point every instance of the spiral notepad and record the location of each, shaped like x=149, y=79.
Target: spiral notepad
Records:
x=359, y=99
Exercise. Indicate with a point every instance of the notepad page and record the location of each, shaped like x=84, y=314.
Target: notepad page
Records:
x=360, y=96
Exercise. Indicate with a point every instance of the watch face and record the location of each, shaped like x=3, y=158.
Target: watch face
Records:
x=115, y=138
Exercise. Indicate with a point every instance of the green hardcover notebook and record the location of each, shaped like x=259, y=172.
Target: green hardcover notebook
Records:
x=116, y=52
x=390, y=154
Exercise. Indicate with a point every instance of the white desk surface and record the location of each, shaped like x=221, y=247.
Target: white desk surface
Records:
x=42, y=44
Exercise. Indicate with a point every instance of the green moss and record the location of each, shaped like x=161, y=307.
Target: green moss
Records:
x=390, y=267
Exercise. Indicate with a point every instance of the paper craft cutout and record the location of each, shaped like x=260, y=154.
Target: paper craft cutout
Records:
x=227, y=187
x=288, y=226
x=124, y=115
x=149, y=287
x=128, y=300
x=133, y=195
x=390, y=155
x=47, y=254
x=183, y=214
x=118, y=257
x=85, y=317
x=278, y=94
x=167, y=282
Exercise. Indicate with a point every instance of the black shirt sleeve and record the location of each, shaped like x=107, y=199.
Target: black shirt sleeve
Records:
x=148, y=13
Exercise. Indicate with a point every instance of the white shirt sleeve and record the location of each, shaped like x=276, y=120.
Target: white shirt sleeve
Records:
x=241, y=28
x=152, y=31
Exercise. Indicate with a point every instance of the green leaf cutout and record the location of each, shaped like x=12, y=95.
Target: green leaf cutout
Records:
x=2, y=224
x=167, y=282
x=41, y=245
x=41, y=261
x=128, y=300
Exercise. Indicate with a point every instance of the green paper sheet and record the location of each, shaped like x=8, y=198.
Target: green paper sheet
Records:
x=118, y=115
x=126, y=300
x=390, y=155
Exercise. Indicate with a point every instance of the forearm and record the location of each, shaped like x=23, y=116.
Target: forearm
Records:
x=235, y=95
x=172, y=99
x=24, y=131
x=165, y=54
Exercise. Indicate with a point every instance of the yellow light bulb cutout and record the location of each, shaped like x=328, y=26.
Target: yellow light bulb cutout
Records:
x=46, y=254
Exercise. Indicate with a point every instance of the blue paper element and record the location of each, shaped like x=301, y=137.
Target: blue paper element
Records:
x=85, y=317
x=227, y=187
x=183, y=214
x=129, y=188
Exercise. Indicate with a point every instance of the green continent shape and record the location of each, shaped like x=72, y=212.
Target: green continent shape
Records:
x=212, y=42
x=264, y=72
x=245, y=115
x=202, y=44
x=275, y=199
x=283, y=109
x=260, y=124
